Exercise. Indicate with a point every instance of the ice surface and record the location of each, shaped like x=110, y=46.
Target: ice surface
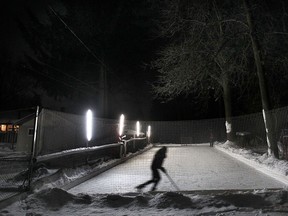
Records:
x=191, y=167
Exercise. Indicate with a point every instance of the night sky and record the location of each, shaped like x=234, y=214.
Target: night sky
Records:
x=73, y=55
x=115, y=35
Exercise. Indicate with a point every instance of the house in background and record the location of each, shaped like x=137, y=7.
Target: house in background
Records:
x=25, y=135
x=8, y=134
x=16, y=131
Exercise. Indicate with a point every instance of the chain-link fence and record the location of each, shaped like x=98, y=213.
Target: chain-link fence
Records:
x=187, y=132
x=13, y=175
x=60, y=131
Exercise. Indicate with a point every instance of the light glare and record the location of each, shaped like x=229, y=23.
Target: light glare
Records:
x=121, y=125
x=137, y=128
x=149, y=131
x=89, y=125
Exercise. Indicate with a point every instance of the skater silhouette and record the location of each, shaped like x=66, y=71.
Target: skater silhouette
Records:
x=155, y=166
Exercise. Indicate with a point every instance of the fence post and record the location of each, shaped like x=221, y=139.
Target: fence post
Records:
x=125, y=147
x=33, y=149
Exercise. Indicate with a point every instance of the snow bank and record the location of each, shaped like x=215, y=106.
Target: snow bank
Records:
x=55, y=201
x=60, y=178
x=269, y=162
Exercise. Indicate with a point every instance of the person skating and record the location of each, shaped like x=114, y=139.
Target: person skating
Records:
x=155, y=166
x=211, y=138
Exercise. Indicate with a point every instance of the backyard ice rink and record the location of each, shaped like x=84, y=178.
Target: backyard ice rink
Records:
x=197, y=167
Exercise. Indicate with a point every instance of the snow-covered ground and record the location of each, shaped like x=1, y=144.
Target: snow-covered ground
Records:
x=192, y=169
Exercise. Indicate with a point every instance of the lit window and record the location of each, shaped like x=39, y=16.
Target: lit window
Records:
x=3, y=128
x=9, y=127
x=16, y=128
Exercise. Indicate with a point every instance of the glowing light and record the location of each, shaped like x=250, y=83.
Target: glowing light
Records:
x=149, y=131
x=89, y=124
x=137, y=128
x=121, y=125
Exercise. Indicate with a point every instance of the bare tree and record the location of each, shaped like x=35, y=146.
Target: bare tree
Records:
x=270, y=54
x=216, y=44
x=207, y=51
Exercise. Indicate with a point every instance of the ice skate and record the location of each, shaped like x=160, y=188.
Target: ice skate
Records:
x=139, y=188
x=153, y=189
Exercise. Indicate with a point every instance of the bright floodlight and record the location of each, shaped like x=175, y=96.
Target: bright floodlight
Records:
x=149, y=131
x=89, y=124
x=121, y=125
x=137, y=128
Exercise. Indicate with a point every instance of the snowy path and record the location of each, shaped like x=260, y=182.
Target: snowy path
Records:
x=191, y=167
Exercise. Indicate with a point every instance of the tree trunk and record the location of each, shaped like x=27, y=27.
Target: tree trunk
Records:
x=271, y=141
x=225, y=81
